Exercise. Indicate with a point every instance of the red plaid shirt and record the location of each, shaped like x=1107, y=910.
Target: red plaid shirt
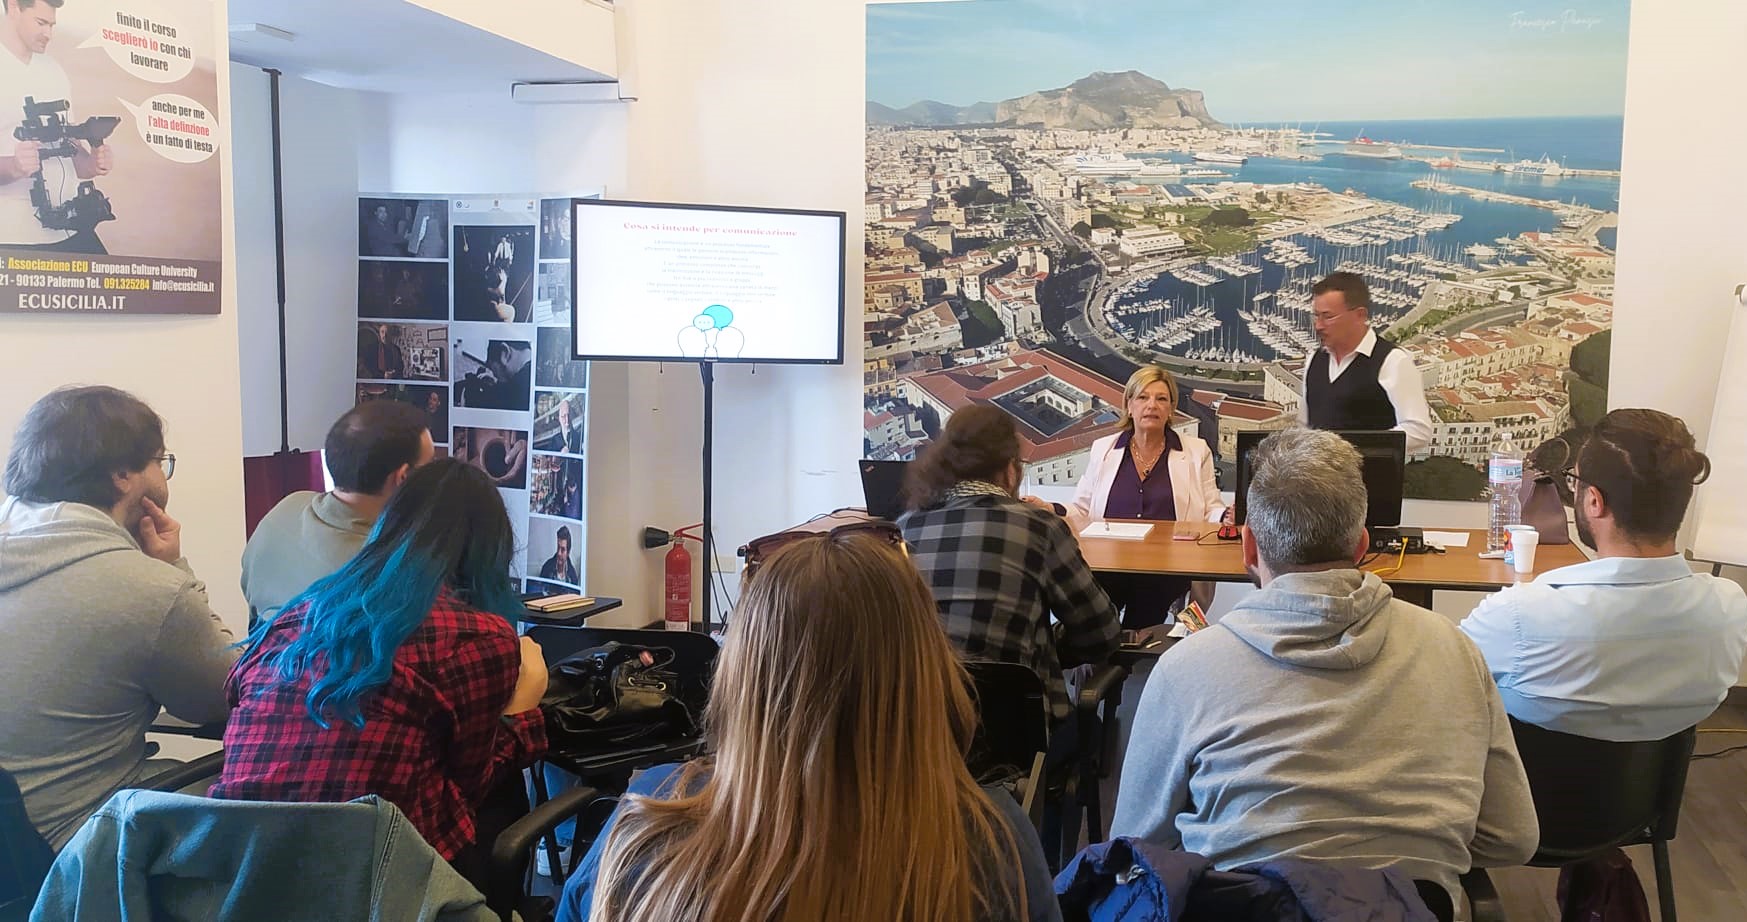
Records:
x=434, y=739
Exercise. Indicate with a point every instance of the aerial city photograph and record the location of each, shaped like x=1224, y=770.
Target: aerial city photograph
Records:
x=1058, y=192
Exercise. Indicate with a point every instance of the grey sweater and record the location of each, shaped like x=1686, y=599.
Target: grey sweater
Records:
x=305, y=537
x=96, y=637
x=1324, y=719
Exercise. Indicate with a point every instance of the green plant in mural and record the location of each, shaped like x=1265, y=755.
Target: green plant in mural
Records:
x=1440, y=477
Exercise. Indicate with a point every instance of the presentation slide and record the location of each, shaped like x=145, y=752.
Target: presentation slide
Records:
x=679, y=284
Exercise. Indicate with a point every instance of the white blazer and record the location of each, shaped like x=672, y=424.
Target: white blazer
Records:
x=1193, y=485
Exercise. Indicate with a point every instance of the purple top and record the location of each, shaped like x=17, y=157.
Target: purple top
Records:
x=1132, y=498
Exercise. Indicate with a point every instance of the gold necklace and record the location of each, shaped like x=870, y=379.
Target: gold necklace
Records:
x=1145, y=469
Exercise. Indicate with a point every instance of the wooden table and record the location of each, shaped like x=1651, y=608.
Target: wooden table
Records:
x=1222, y=561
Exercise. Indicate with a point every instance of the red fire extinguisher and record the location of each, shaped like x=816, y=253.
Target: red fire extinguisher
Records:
x=678, y=573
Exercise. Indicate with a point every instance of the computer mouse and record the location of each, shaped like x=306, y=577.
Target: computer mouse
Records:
x=1230, y=533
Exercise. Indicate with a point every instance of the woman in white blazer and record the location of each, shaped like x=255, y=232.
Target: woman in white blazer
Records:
x=1147, y=471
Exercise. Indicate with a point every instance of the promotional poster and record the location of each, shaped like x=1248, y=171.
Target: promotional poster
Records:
x=109, y=135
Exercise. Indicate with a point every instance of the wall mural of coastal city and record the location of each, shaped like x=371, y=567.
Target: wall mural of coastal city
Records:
x=1057, y=191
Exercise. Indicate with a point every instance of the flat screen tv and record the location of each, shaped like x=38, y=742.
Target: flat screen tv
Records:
x=706, y=283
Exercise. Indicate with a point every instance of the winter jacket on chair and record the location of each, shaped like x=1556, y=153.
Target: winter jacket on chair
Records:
x=1127, y=880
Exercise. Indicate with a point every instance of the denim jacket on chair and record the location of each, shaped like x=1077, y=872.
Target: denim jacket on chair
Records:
x=172, y=857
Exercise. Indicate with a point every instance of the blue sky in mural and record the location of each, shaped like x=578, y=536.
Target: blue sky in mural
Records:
x=1267, y=60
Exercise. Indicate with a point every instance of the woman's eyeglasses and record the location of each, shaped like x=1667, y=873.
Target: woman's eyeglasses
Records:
x=758, y=550
x=167, y=461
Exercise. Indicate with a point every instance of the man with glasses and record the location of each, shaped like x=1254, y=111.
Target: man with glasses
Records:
x=1359, y=380
x=1633, y=645
x=104, y=622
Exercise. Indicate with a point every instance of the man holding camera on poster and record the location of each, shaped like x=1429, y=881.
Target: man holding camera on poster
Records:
x=46, y=198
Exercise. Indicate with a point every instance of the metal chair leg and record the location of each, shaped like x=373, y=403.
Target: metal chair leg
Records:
x=550, y=840
x=1664, y=880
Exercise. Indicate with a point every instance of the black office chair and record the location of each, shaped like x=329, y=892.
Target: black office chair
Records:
x=507, y=893
x=1592, y=796
x=610, y=771
x=1013, y=710
x=1012, y=733
x=26, y=854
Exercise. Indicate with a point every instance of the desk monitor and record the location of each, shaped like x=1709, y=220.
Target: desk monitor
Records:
x=882, y=485
x=1383, y=460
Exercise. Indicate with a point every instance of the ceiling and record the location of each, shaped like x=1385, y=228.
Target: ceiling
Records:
x=387, y=46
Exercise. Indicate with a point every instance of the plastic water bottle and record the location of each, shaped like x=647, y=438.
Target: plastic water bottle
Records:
x=1504, y=478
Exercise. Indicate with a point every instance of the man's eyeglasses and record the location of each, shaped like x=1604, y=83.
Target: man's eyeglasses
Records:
x=758, y=550
x=1570, y=478
x=167, y=461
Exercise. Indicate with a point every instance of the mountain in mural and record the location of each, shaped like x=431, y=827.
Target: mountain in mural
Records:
x=1129, y=99
x=931, y=114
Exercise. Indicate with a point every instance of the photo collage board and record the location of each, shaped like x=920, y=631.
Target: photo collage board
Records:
x=464, y=312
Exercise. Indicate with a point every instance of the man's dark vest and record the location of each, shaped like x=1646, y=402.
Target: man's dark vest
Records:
x=1355, y=400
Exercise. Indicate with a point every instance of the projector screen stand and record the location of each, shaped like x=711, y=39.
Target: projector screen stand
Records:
x=707, y=370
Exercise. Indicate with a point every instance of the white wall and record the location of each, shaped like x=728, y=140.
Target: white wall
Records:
x=1680, y=254
x=320, y=137
x=752, y=104
x=186, y=368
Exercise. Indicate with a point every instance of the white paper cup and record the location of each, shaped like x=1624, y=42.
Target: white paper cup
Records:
x=1509, y=545
x=1524, y=542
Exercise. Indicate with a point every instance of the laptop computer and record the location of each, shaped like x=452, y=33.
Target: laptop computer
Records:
x=882, y=486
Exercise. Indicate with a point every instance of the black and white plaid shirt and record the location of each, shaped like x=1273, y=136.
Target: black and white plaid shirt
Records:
x=999, y=568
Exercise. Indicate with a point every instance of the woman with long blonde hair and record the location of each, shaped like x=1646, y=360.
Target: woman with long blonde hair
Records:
x=837, y=788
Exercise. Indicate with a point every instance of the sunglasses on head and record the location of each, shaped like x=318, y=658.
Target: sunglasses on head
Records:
x=758, y=550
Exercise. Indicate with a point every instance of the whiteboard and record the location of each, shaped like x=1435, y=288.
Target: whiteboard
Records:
x=1721, y=507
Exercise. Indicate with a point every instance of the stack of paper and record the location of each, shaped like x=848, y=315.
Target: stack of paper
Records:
x=1127, y=530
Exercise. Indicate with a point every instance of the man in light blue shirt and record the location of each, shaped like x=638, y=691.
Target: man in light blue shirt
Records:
x=1632, y=645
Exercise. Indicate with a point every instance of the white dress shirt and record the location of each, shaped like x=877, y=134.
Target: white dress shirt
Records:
x=1400, y=380
x=1621, y=648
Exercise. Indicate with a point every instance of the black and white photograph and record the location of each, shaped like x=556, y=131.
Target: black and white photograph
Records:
x=403, y=228
x=557, y=368
x=403, y=351
x=500, y=453
x=403, y=290
x=554, y=552
x=552, y=302
x=494, y=274
x=558, y=422
x=431, y=398
x=556, y=487
x=555, y=229
x=493, y=374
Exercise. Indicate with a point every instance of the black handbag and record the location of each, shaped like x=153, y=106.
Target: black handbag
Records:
x=614, y=696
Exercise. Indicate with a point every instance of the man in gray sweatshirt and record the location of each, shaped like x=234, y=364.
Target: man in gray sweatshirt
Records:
x=1323, y=719
x=104, y=623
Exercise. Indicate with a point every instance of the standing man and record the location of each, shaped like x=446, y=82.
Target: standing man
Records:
x=26, y=70
x=1359, y=380
x=370, y=451
x=104, y=622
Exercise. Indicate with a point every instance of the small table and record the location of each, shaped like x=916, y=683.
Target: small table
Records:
x=574, y=617
x=1420, y=575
